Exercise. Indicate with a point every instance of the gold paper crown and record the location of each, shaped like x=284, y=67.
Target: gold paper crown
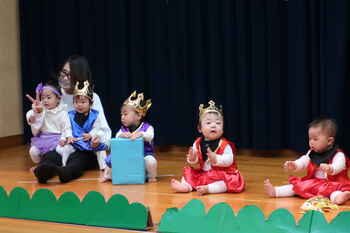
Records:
x=321, y=204
x=138, y=103
x=84, y=91
x=211, y=108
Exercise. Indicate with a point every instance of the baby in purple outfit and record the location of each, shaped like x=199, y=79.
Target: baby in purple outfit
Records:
x=133, y=111
x=48, y=120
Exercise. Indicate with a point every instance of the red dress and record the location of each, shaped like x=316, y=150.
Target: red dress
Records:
x=310, y=186
x=230, y=175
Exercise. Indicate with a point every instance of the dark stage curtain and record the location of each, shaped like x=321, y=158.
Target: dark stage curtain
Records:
x=318, y=61
x=274, y=65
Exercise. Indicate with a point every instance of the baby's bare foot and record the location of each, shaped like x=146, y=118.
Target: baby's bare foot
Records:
x=269, y=189
x=32, y=169
x=179, y=187
x=342, y=197
x=152, y=180
x=201, y=190
x=103, y=179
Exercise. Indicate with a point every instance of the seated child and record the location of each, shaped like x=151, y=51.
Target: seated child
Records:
x=133, y=112
x=326, y=165
x=87, y=130
x=218, y=171
x=48, y=120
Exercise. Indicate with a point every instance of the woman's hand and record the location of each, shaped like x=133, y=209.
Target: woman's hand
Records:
x=95, y=141
x=86, y=136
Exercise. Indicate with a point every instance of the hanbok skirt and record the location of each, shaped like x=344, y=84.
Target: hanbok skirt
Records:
x=45, y=142
x=316, y=187
x=197, y=177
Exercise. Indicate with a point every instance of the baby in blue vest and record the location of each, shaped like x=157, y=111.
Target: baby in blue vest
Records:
x=133, y=111
x=87, y=131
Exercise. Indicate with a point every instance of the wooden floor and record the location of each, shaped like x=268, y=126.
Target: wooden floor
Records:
x=14, y=171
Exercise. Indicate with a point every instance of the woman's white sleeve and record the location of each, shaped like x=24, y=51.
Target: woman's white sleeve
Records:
x=100, y=130
x=97, y=105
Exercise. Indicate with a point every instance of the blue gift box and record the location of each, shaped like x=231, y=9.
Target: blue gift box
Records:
x=128, y=164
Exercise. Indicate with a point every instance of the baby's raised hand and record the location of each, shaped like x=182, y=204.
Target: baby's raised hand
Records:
x=191, y=156
x=125, y=135
x=326, y=168
x=37, y=106
x=135, y=135
x=290, y=166
x=211, y=156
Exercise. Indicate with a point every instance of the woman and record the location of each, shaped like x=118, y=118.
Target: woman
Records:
x=75, y=69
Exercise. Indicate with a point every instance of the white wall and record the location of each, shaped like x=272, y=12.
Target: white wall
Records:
x=10, y=83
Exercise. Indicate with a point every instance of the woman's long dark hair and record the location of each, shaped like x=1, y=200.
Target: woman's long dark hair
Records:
x=79, y=70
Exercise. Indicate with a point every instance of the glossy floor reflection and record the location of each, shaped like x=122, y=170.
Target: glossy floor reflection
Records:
x=255, y=167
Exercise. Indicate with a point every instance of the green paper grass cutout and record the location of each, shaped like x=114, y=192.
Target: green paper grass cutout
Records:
x=93, y=210
x=250, y=219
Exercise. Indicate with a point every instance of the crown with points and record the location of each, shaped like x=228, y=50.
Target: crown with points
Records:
x=211, y=108
x=84, y=91
x=137, y=101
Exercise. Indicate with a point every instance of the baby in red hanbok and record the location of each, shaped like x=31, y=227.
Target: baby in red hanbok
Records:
x=217, y=172
x=326, y=165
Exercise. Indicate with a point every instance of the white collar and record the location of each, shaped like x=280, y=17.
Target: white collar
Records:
x=59, y=108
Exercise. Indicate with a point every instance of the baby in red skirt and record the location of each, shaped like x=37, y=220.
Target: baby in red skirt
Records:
x=326, y=165
x=217, y=172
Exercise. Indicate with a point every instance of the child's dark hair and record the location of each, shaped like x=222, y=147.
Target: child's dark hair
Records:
x=142, y=103
x=326, y=124
x=53, y=84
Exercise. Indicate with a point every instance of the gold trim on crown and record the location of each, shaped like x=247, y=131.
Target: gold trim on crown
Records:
x=137, y=101
x=211, y=108
x=84, y=91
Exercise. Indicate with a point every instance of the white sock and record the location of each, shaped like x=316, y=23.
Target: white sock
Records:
x=151, y=166
x=284, y=191
x=107, y=174
x=101, y=155
x=334, y=195
x=34, y=154
x=217, y=187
